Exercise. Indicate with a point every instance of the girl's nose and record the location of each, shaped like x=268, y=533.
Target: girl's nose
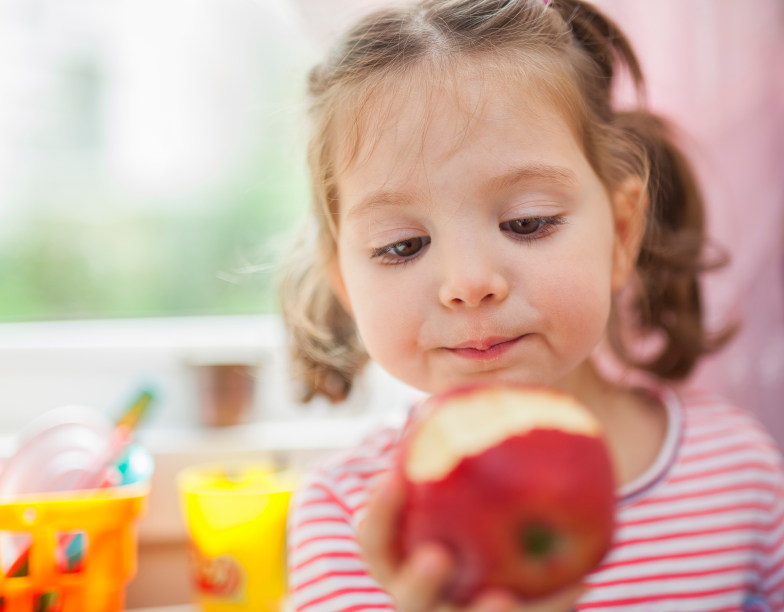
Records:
x=472, y=280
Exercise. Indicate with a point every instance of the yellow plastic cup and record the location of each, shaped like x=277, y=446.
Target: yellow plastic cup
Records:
x=236, y=516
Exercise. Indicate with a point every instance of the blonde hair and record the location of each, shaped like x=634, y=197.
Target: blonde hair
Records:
x=572, y=53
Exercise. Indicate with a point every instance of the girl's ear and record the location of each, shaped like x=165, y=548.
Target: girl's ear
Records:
x=339, y=287
x=630, y=207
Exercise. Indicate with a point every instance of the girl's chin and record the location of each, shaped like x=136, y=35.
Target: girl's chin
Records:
x=514, y=375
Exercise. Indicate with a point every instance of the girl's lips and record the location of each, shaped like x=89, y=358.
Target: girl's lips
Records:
x=486, y=349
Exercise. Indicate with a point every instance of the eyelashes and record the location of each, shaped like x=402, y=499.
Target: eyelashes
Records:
x=403, y=251
x=532, y=228
x=527, y=229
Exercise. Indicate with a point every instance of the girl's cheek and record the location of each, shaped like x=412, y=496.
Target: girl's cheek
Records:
x=577, y=297
x=390, y=338
x=386, y=309
x=578, y=288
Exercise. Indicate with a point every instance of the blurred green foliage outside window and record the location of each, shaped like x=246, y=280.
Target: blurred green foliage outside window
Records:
x=151, y=155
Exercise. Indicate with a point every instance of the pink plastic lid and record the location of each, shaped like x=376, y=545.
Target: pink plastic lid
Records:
x=57, y=451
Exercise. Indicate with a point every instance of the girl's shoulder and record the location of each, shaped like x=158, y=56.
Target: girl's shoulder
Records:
x=704, y=524
x=719, y=443
x=710, y=421
x=340, y=482
x=710, y=442
x=375, y=451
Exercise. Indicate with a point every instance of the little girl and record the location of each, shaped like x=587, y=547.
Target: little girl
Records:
x=483, y=213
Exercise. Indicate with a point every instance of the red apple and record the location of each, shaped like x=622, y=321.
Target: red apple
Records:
x=515, y=481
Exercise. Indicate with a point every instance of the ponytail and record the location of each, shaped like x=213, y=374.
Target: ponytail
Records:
x=326, y=353
x=668, y=303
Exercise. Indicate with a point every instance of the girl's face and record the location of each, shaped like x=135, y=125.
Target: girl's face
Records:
x=476, y=242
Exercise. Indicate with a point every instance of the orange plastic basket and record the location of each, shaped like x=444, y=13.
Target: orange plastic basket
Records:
x=59, y=553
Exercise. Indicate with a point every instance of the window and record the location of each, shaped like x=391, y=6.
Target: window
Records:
x=150, y=153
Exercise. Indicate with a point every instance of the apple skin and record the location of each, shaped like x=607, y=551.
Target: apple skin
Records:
x=532, y=513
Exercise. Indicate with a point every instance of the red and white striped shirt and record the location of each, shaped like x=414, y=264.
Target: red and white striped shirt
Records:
x=701, y=530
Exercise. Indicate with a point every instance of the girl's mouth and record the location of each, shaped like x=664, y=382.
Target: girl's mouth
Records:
x=487, y=348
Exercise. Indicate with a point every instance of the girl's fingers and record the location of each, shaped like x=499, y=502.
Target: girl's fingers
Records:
x=502, y=601
x=420, y=582
x=495, y=601
x=416, y=584
x=562, y=601
x=377, y=530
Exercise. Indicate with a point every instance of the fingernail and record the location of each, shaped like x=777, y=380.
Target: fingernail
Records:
x=430, y=562
x=498, y=602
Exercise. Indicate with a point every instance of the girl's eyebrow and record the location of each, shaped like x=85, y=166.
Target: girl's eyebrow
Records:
x=382, y=198
x=533, y=172
x=388, y=198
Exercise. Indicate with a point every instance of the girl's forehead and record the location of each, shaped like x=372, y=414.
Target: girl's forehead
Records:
x=428, y=115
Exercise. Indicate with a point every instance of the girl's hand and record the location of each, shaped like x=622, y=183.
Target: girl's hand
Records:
x=416, y=583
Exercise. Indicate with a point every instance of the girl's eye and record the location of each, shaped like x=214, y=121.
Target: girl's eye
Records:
x=532, y=228
x=407, y=248
x=525, y=226
x=403, y=250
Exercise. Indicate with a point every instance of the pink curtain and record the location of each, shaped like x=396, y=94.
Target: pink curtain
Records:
x=716, y=68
